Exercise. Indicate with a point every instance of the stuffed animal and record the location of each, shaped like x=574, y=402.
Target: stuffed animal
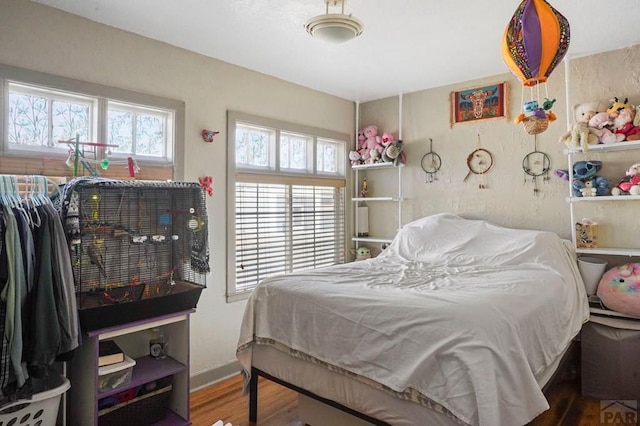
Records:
x=529, y=108
x=619, y=289
x=630, y=183
x=548, y=103
x=373, y=157
x=616, y=106
x=597, y=186
x=362, y=253
x=387, y=138
x=601, y=122
x=361, y=140
x=393, y=153
x=623, y=124
x=355, y=158
x=579, y=133
x=588, y=189
x=584, y=180
x=373, y=142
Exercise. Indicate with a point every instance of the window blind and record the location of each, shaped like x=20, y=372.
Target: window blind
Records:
x=285, y=227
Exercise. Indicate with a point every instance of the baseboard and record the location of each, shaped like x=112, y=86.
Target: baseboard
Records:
x=209, y=377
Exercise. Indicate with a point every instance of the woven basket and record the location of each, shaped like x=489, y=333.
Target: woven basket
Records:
x=534, y=125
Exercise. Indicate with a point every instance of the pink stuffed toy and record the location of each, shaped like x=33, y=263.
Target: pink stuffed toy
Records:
x=362, y=140
x=373, y=142
x=601, y=123
x=387, y=138
x=619, y=289
x=623, y=124
x=630, y=184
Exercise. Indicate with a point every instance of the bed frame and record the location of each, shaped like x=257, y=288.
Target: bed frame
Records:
x=567, y=368
x=253, y=398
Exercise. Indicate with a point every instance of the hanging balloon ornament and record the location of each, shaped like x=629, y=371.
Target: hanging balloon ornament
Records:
x=431, y=163
x=535, y=41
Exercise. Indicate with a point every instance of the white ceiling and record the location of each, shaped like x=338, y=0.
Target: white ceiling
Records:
x=407, y=45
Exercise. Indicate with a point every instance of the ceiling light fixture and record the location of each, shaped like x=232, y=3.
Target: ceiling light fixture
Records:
x=334, y=27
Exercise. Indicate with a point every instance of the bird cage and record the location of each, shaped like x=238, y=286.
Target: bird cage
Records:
x=139, y=249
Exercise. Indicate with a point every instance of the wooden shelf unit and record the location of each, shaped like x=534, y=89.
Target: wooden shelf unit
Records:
x=133, y=338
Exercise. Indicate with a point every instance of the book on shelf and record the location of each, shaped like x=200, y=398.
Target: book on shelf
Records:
x=109, y=353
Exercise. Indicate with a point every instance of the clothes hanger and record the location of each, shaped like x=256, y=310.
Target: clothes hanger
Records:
x=17, y=202
x=35, y=202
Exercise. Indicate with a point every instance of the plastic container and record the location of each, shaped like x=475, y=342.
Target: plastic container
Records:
x=41, y=409
x=591, y=270
x=115, y=375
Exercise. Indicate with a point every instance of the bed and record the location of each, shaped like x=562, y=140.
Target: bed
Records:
x=458, y=321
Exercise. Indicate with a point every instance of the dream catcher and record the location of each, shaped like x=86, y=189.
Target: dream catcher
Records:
x=536, y=164
x=431, y=163
x=479, y=162
x=534, y=43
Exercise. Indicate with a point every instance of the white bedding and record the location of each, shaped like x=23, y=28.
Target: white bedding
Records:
x=458, y=315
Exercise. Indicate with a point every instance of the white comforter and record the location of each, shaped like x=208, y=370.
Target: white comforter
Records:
x=464, y=312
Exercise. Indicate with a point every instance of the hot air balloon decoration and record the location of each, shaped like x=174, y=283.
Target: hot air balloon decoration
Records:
x=535, y=41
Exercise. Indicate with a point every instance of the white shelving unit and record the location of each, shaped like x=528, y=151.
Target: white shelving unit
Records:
x=597, y=313
x=358, y=201
x=360, y=171
x=609, y=335
x=604, y=148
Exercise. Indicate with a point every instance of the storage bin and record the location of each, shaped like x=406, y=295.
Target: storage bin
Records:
x=41, y=409
x=610, y=368
x=144, y=410
x=115, y=375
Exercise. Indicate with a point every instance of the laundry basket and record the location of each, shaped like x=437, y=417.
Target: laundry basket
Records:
x=41, y=409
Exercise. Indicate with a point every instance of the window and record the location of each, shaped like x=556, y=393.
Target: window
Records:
x=254, y=146
x=294, y=152
x=327, y=156
x=37, y=118
x=138, y=131
x=287, y=200
x=39, y=110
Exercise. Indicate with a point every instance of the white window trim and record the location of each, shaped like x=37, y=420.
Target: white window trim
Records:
x=232, y=118
x=103, y=93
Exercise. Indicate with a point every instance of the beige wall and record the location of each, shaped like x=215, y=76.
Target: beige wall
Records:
x=508, y=200
x=40, y=38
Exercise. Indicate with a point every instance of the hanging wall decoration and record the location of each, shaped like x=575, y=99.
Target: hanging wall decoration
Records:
x=536, y=164
x=209, y=135
x=431, y=163
x=479, y=162
x=479, y=103
x=535, y=41
x=206, y=182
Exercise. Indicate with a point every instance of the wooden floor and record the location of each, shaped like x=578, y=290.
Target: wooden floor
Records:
x=277, y=406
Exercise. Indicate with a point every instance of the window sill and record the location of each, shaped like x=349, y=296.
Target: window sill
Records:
x=237, y=297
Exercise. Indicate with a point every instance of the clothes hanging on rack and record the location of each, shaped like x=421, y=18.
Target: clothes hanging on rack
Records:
x=38, y=313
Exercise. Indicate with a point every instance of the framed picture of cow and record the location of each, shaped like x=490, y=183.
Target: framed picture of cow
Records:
x=479, y=103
